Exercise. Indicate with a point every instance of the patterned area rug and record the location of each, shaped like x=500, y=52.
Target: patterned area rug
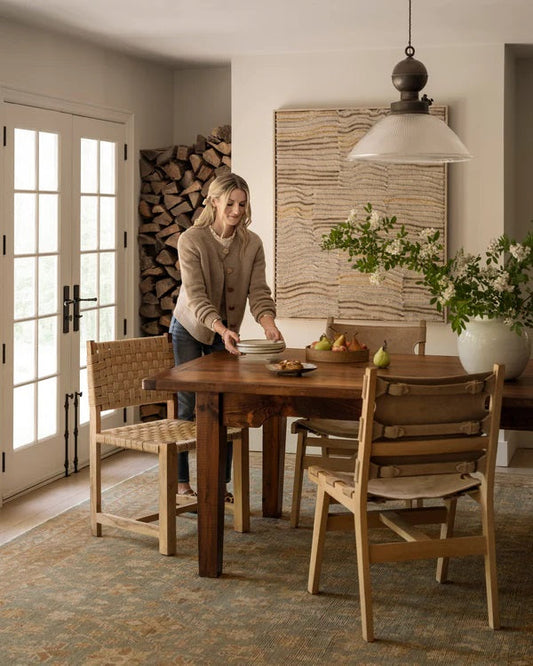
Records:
x=69, y=598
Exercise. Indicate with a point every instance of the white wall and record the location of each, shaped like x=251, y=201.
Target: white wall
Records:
x=470, y=80
x=202, y=101
x=47, y=63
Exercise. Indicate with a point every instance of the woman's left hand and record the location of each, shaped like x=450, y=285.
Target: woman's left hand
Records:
x=273, y=333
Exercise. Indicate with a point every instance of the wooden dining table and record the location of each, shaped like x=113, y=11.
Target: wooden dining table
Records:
x=236, y=391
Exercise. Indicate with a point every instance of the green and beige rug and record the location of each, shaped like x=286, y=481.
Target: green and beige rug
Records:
x=68, y=598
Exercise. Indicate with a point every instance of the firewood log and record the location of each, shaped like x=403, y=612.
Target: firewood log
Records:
x=175, y=182
x=212, y=157
x=174, y=170
x=165, y=156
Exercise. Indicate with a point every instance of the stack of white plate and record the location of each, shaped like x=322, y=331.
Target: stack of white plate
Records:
x=260, y=350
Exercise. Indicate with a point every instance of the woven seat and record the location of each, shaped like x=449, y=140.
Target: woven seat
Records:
x=444, y=461
x=115, y=373
x=337, y=440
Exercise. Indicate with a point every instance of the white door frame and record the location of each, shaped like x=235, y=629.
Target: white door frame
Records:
x=15, y=96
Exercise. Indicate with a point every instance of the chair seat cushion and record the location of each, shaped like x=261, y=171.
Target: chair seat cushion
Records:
x=331, y=427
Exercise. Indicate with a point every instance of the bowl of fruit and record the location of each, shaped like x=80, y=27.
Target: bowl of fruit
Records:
x=339, y=350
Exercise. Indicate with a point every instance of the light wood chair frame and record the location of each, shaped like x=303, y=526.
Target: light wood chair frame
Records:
x=428, y=476
x=115, y=372
x=337, y=440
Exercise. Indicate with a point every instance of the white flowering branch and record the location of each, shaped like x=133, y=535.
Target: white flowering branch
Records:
x=497, y=284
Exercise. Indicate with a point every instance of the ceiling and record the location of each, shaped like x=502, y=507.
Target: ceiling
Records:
x=185, y=33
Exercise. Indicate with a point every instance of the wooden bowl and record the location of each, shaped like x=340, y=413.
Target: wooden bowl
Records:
x=321, y=356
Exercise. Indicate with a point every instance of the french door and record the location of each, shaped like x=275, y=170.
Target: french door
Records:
x=63, y=275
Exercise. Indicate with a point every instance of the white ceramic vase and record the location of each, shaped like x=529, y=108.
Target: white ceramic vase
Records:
x=489, y=341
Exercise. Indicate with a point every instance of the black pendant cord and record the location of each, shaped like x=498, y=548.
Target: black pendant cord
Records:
x=77, y=394
x=409, y=49
x=68, y=397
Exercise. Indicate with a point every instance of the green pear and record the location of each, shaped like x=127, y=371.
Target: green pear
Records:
x=381, y=357
x=323, y=344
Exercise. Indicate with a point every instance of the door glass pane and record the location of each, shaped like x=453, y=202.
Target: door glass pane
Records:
x=47, y=407
x=107, y=278
x=107, y=167
x=24, y=287
x=107, y=223
x=24, y=223
x=88, y=331
x=48, y=171
x=88, y=223
x=107, y=324
x=23, y=411
x=47, y=361
x=47, y=285
x=89, y=275
x=48, y=222
x=23, y=351
x=89, y=166
x=24, y=166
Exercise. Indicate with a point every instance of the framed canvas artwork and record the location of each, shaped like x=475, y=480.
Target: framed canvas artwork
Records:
x=316, y=187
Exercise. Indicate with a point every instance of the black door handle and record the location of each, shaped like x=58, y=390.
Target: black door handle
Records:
x=76, y=300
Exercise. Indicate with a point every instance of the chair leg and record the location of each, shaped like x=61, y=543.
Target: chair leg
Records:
x=301, y=446
x=241, y=482
x=319, y=538
x=491, y=580
x=446, y=531
x=168, y=485
x=95, y=482
x=363, y=571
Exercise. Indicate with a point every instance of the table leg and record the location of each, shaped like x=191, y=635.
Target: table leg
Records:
x=274, y=435
x=211, y=449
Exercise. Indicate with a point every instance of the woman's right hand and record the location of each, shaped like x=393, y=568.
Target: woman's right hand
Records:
x=230, y=339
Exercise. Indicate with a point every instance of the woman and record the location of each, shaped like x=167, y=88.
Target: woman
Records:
x=222, y=266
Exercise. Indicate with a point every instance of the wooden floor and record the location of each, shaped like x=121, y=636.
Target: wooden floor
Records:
x=27, y=511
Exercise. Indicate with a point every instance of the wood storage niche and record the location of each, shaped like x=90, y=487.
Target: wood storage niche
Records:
x=174, y=183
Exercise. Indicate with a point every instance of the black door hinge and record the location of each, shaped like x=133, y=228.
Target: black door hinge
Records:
x=125, y=327
x=4, y=245
x=125, y=239
x=5, y=136
x=125, y=151
x=3, y=353
x=3, y=461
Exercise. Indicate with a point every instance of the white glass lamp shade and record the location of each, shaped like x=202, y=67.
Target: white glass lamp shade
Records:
x=410, y=138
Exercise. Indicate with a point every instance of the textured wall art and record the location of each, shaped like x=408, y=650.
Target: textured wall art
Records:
x=316, y=187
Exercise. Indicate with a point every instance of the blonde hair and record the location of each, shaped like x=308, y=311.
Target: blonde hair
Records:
x=221, y=188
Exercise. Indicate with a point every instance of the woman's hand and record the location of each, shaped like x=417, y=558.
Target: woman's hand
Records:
x=230, y=339
x=273, y=333
x=271, y=330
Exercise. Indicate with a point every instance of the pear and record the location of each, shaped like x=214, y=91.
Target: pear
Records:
x=381, y=357
x=340, y=341
x=355, y=345
x=324, y=344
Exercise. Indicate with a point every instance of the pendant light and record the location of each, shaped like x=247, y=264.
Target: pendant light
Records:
x=409, y=134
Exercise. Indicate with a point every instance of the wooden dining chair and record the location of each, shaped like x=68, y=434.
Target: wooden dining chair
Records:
x=115, y=372
x=418, y=439
x=337, y=440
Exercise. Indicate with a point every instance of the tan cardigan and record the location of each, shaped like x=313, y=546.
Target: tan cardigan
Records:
x=212, y=275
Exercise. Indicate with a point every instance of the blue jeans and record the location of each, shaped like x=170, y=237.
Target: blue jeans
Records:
x=186, y=348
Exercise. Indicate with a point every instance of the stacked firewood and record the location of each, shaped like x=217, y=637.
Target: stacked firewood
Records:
x=175, y=181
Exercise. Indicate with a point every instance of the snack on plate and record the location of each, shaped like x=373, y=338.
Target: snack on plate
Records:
x=288, y=365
